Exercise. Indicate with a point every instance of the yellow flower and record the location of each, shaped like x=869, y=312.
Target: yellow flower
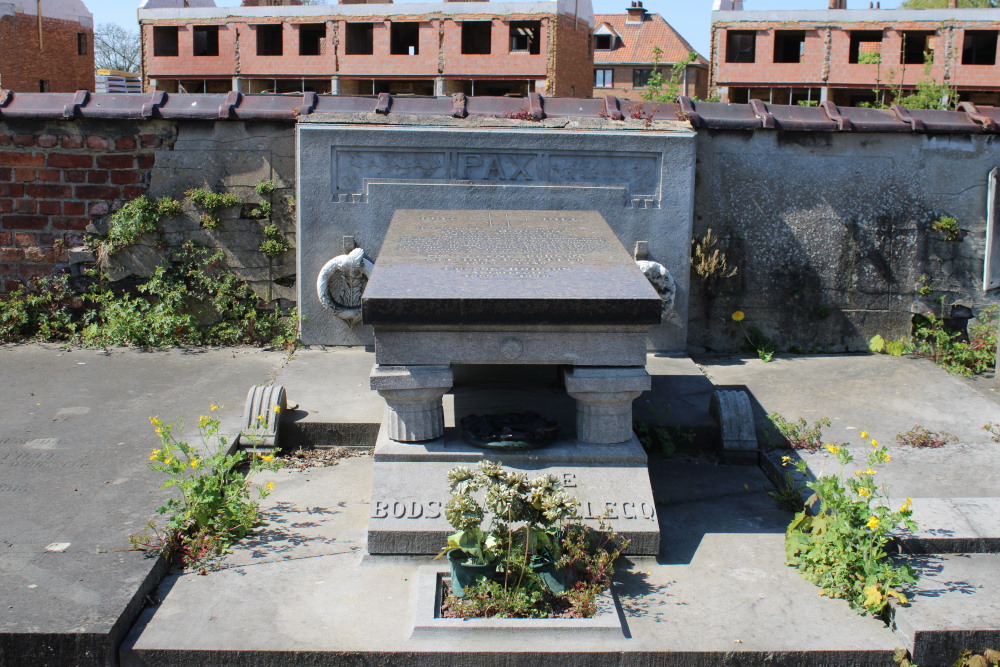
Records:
x=155, y=421
x=738, y=316
x=874, y=443
x=905, y=506
x=269, y=457
x=159, y=430
x=154, y=455
x=886, y=458
x=269, y=486
x=833, y=449
x=864, y=493
x=873, y=595
x=169, y=460
x=864, y=435
x=213, y=407
x=873, y=522
x=203, y=421
x=277, y=409
x=785, y=460
x=261, y=419
x=194, y=463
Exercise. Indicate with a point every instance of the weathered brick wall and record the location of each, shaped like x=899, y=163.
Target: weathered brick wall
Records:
x=696, y=86
x=23, y=64
x=571, y=72
x=58, y=177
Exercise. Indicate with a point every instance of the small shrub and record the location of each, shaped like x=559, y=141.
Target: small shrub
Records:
x=798, y=434
x=948, y=227
x=209, y=221
x=42, y=310
x=274, y=243
x=944, y=347
x=896, y=348
x=212, y=201
x=918, y=436
x=215, y=504
x=265, y=188
x=261, y=210
x=168, y=207
x=133, y=220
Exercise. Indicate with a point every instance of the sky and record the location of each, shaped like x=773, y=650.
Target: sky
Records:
x=691, y=18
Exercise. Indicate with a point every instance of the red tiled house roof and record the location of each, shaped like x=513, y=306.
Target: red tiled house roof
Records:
x=635, y=41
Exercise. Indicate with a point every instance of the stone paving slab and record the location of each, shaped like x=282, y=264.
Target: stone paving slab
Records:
x=75, y=482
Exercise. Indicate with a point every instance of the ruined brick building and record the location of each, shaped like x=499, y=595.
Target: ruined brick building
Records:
x=843, y=55
x=50, y=52
x=623, y=54
x=358, y=48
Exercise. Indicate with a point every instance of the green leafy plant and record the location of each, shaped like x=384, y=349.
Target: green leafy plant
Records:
x=758, y=342
x=918, y=436
x=215, y=503
x=212, y=201
x=948, y=227
x=209, y=221
x=896, y=348
x=924, y=286
x=133, y=220
x=261, y=210
x=666, y=89
x=265, y=188
x=841, y=547
x=168, y=207
x=945, y=347
x=274, y=244
x=993, y=430
x=40, y=310
x=798, y=434
x=656, y=436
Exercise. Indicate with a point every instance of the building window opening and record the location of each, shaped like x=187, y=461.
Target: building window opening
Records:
x=789, y=46
x=524, y=36
x=404, y=39
x=741, y=46
x=640, y=76
x=269, y=40
x=918, y=47
x=604, y=78
x=866, y=47
x=311, y=36
x=476, y=37
x=739, y=95
x=604, y=42
x=359, y=40
x=206, y=40
x=979, y=47
x=81, y=43
x=804, y=97
x=43, y=86
x=165, y=40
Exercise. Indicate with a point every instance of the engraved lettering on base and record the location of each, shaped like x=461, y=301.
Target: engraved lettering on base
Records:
x=341, y=283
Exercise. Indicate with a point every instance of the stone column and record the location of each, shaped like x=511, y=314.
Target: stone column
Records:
x=335, y=85
x=413, y=397
x=439, y=86
x=604, y=398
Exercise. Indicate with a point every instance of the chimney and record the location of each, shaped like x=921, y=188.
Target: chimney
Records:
x=727, y=6
x=838, y=4
x=636, y=13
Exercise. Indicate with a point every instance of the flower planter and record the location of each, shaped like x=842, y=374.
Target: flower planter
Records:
x=465, y=574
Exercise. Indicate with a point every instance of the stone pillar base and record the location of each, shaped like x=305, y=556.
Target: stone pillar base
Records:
x=413, y=397
x=604, y=398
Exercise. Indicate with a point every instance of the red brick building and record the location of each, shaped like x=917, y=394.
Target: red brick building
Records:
x=477, y=48
x=51, y=53
x=843, y=54
x=623, y=54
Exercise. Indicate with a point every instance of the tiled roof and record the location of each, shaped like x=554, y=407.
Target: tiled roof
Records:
x=638, y=40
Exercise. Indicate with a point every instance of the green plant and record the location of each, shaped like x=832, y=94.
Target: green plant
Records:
x=209, y=221
x=41, y=310
x=896, y=348
x=265, y=188
x=261, y=210
x=993, y=430
x=660, y=89
x=945, y=347
x=656, y=436
x=918, y=436
x=798, y=434
x=788, y=494
x=948, y=227
x=215, y=505
x=842, y=547
x=212, y=201
x=924, y=287
x=274, y=243
x=758, y=342
x=133, y=220
x=168, y=207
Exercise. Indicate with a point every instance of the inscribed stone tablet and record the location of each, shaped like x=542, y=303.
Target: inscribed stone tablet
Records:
x=506, y=267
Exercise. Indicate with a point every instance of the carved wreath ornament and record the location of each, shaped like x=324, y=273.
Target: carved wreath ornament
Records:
x=660, y=277
x=342, y=282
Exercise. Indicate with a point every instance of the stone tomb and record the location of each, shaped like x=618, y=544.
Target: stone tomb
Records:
x=553, y=288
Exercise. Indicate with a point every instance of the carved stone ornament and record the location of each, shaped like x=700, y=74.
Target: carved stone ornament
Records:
x=661, y=279
x=342, y=282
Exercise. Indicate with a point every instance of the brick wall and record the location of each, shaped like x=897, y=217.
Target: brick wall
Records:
x=23, y=64
x=571, y=70
x=56, y=178
x=697, y=82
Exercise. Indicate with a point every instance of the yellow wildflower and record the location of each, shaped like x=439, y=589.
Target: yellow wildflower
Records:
x=886, y=458
x=203, y=421
x=738, y=316
x=905, y=506
x=864, y=435
x=194, y=463
x=269, y=457
x=864, y=493
x=213, y=407
x=261, y=419
x=269, y=486
x=873, y=522
x=277, y=409
x=873, y=595
x=155, y=421
x=785, y=460
x=874, y=443
x=159, y=430
x=154, y=455
x=169, y=460
x=833, y=449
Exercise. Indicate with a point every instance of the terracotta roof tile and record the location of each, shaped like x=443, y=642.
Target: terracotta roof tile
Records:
x=638, y=39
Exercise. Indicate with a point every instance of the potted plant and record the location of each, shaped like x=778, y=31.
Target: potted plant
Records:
x=519, y=545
